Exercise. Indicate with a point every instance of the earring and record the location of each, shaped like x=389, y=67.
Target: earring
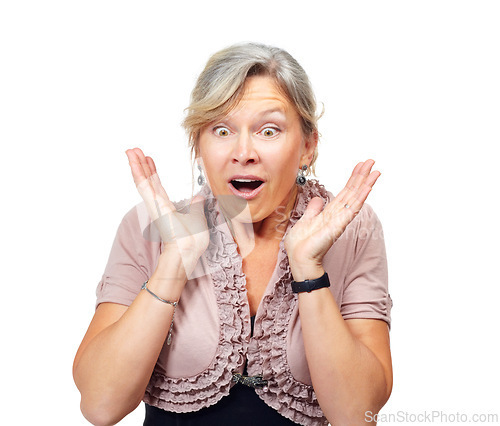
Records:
x=201, y=178
x=301, y=179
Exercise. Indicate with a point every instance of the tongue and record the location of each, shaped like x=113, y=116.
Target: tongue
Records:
x=245, y=189
x=246, y=186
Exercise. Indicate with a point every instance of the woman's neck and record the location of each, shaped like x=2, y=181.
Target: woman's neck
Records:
x=269, y=230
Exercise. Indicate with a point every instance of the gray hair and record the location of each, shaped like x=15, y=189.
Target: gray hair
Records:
x=219, y=87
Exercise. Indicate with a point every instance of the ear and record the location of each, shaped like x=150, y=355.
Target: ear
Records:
x=310, y=144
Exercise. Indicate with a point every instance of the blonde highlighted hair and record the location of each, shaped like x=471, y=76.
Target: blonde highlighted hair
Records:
x=219, y=87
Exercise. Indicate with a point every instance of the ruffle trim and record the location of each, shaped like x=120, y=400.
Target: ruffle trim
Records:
x=207, y=388
x=291, y=398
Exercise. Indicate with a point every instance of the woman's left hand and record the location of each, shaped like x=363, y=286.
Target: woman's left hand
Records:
x=316, y=231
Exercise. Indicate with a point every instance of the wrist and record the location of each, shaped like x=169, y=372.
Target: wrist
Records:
x=169, y=277
x=166, y=288
x=178, y=261
x=306, y=272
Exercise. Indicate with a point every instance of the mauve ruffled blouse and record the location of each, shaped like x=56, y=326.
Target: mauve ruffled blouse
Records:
x=211, y=335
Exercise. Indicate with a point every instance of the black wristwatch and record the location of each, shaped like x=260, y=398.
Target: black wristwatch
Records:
x=310, y=285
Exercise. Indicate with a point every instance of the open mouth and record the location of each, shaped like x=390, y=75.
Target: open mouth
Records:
x=246, y=185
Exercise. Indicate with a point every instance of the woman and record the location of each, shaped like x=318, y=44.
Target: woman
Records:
x=261, y=334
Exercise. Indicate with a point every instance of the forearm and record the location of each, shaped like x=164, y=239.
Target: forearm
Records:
x=347, y=377
x=114, y=368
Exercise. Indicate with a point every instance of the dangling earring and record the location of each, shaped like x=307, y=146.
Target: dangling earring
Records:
x=201, y=178
x=301, y=179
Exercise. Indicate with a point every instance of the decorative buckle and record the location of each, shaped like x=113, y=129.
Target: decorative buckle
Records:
x=256, y=382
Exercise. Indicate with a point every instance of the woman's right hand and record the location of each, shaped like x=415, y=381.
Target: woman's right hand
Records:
x=186, y=234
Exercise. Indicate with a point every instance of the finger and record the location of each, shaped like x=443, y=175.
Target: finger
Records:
x=350, y=185
x=151, y=165
x=363, y=173
x=356, y=181
x=156, y=202
x=158, y=187
x=314, y=208
x=143, y=162
x=136, y=167
x=356, y=201
x=155, y=180
x=366, y=186
x=354, y=174
x=372, y=178
x=368, y=164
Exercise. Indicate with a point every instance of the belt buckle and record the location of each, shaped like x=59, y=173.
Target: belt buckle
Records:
x=256, y=382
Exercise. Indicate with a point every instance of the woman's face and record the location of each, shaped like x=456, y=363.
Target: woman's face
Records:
x=254, y=153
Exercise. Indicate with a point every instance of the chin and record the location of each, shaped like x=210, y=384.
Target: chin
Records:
x=252, y=215
x=234, y=208
x=239, y=210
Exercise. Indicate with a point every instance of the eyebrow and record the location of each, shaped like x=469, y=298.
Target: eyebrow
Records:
x=270, y=111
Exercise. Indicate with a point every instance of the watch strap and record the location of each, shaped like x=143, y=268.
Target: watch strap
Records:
x=310, y=285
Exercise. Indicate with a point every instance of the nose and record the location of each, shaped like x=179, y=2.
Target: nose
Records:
x=244, y=150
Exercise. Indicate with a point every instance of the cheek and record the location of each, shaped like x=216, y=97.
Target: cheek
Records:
x=287, y=162
x=284, y=176
x=210, y=157
x=212, y=169
x=213, y=164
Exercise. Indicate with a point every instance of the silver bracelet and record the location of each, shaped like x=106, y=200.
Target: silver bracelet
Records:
x=174, y=304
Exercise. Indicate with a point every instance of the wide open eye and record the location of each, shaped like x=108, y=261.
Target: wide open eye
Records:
x=222, y=131
x=269, y=132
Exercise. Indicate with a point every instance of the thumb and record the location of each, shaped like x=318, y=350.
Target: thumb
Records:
x=314, y=208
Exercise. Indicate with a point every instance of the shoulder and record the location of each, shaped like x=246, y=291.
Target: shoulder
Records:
x=137, y=240
x=132, y=259
x=137, y=225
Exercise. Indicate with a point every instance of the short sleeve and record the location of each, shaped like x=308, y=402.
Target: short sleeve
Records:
x=131, y=261
x=366, y=292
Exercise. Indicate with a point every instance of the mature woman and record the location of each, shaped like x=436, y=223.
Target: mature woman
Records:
x=279, y=289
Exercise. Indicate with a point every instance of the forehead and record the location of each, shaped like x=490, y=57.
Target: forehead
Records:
x=262, y=93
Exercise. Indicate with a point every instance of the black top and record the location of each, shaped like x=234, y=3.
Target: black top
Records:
x=241, y=407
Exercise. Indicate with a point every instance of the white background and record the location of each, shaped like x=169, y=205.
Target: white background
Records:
x=414, y=85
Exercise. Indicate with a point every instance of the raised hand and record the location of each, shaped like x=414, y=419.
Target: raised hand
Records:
x=316, y=231
x=186, y=232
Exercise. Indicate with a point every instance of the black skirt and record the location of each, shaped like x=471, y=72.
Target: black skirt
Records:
x=242, y=407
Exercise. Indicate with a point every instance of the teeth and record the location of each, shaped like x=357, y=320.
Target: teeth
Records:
x=245, y=180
